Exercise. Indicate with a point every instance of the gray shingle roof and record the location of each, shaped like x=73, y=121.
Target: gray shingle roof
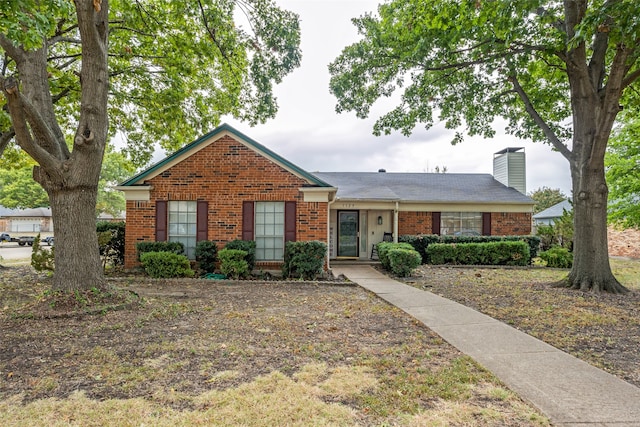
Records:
x=554, y=211
x=422, y=187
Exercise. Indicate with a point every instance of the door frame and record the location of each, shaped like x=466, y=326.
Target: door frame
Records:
x=357, y=236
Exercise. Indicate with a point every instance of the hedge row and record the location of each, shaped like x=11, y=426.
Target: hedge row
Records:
x=421, y=242
x=491, y=253
x=399, y=258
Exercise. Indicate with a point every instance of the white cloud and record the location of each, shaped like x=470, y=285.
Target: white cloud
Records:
x=309, y=133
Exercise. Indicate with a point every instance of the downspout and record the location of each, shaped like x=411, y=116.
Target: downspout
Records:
x=395, y=223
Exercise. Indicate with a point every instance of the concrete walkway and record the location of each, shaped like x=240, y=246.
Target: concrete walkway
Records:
x=567, y=390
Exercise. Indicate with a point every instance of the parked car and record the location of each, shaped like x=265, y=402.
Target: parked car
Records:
x=26, y=240
x=48, y=240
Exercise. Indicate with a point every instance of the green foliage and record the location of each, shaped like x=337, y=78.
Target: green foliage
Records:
x=557, y=257
x=249, y=246
x=42, y=259
x=383, y=252
x=207, y=255
x=233, y=263
x=403, y=261
x=174, y=247
x=623, y=170
x=111, y=241
x=19, y=190
x=491, y=253
x=166, y=265
x=421, y=242
x=304, y=259
x=546, y=197
x=116, y=167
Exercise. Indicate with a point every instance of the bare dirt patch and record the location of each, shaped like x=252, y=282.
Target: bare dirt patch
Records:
x=186, y=339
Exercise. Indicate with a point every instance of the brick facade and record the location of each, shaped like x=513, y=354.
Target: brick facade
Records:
x=502, y=223
x=510, y=223
x=414, y=223
x=225, y=173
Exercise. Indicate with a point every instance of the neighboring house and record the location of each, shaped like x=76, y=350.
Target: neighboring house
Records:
x=226, y=186
x=551, y=214
x=32, y=221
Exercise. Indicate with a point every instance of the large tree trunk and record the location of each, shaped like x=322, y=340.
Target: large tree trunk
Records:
x=69, y=177
x=593, y=117
x=77, y=256
x=591, y=270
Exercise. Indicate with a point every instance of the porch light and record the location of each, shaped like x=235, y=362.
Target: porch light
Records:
x=380, y=220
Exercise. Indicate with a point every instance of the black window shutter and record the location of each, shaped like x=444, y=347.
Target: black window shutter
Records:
x=202, y=221
x=486, y=223
x=435, y=223
x=290, y=221
x=247, y=220
x=161, y=220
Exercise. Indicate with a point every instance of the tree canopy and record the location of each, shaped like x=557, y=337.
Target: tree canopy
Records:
x=75, y=73
x=555, y=70
x=623, y=171
x=546, y=197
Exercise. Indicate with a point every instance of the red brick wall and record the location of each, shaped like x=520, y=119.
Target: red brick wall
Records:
x=510, y=223
x=225, y=174
x=502, y=223
x=414, y=223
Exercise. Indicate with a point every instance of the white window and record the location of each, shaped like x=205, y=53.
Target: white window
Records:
x=461, y=223
x=269, y=231
x=182, y=226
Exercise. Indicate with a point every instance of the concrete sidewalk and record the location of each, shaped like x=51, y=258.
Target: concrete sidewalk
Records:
x=567, y=390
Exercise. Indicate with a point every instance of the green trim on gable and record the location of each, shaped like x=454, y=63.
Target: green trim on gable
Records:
x=296, y=170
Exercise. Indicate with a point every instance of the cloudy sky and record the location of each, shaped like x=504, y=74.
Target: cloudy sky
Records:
x=308, y=132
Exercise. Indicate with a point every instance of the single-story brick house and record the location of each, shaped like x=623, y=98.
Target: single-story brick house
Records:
x=226, y=186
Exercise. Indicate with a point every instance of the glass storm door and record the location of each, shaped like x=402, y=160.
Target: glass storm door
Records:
x=348, y=233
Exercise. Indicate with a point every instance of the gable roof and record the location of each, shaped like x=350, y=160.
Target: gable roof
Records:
x=422, y=187
x=210, y=138
x=29, y=213
x=554, y=211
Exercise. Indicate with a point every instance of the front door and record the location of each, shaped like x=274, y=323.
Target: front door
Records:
x=347, y=233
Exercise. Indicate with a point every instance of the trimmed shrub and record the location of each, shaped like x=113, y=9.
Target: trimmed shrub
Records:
x=112, y=248
x=421, y=242
x=173, y=247
x=403, y=261
x=166, y=265
x=491, y=253
x=207, y=255
x=249, y=246
x=383, y=252
x=304, y=259
x=233, y=263
x=557, y=257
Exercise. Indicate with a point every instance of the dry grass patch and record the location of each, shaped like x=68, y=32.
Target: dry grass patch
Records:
x=244, y=353
x=603, y=330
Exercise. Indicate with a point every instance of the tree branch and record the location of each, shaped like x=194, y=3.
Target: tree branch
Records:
x=51, y=144
x=549, y=133
x=597, y=63
x=22, y=133
x=5, y=137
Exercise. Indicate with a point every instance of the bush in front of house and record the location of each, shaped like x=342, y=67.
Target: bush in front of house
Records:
x=403, y=261
x=111, y=240
x=249, y=246
x=166, y=265
x=421, y=242
x=383, y=252
x=557, y=257
x=233, y=263
x=304, y=259
x=207, y=255
x=173, y=247
x=491, y=253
